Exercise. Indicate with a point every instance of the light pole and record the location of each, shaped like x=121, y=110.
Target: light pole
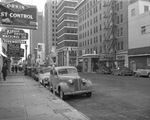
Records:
x=26, y=60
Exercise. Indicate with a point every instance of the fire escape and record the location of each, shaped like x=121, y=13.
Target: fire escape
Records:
x=109, y=42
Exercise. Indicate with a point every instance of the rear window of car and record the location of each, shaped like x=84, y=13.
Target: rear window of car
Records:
x=47, y=70
x=67, y=71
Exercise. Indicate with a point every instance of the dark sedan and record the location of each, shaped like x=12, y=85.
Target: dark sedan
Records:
x=122, y=71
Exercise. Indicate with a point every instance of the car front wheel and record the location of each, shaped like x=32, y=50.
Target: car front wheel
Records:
x=89, y=94
x=149, y=75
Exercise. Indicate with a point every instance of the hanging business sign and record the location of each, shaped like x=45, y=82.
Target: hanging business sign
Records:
x=16, y=41
x=15, y=14
x=13, y=34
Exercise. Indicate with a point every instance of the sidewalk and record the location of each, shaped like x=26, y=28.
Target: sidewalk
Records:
x=22, y=98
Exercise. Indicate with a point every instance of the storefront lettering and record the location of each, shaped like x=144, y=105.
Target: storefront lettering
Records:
x=16, y=15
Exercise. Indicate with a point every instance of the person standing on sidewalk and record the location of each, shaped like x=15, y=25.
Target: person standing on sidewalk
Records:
x=4, y=71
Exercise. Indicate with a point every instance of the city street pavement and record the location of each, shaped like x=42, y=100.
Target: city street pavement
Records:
x=22, y=98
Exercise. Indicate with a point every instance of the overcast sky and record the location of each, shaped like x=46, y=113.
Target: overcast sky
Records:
x=39, y=3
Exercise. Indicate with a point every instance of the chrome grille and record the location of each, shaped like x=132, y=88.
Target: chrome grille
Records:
x=77, y=84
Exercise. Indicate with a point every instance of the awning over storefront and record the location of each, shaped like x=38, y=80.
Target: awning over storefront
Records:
x=91, y=55
x=1, y=53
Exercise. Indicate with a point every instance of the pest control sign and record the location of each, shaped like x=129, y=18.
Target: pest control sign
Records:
x=15, y=14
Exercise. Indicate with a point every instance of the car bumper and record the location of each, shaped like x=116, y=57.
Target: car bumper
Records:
x=77, y=92
x=46, y=82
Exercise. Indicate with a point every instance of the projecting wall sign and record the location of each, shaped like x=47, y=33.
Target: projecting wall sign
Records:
x=15, y=14
x=14, y=34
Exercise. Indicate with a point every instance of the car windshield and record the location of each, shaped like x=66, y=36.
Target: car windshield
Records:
x=67, y=71
x=46, y=70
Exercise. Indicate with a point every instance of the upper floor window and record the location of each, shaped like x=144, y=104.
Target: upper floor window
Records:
x=121, y=18
x=133, y=12
x=121, y=4
x=145, y=29
x=146, y=8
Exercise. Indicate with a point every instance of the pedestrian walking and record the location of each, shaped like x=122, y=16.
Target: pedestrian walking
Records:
x=4, y=71
x=13, y=68
x=16, y=68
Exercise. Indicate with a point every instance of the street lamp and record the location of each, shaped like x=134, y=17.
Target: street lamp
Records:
x=26, y=60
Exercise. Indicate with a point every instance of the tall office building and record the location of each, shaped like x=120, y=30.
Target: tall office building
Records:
x=50, y=31
x=67, y=37
x=103, y=35
x=36, y=36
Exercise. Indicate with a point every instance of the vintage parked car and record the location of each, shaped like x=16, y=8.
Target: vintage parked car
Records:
x=65, y=80
x=34, y=73
x=44, y=76
x=122, y=71
x=103, y=70
x=142, y=72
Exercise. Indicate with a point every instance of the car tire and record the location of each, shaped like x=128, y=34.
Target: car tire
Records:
x=122, y=74
x=149, y=75
x=89, y=94
x=61, y=94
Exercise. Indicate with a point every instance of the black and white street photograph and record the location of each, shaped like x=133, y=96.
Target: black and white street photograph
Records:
x=74, y=59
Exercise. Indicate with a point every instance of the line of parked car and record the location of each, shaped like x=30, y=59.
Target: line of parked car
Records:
x=124, y=71
x=64, y=80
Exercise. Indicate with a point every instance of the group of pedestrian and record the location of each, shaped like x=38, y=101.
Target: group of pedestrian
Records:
x=14, y=68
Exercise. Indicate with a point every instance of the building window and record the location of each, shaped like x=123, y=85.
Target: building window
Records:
x=117, y=19
x=121, y=45
x=118, y=46
x=121, y=18
x=100, y=38
x=148, y=61
x=100, y=17
x=145, y=29
x=121, y=32
x=91, y=12
x=96, y=39
x=100, y=28
x=117, y=32
x=91, y=3
x=133, y=12
x=100, y=49
x=100, y=6
x=91, y=40
x=146, y=8
x=121, y=4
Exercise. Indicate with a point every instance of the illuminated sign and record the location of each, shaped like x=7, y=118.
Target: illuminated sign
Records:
x=15, y=14
x=14, y=34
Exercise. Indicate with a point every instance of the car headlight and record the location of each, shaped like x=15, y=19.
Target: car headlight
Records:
x=71, y=81
x=84, y=80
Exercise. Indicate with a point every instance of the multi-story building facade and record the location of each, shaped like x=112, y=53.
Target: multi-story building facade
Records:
x=67, y=32
x=139, y=34
x=50, y=31
x=3, y=46
x=103, y=35
x=36, y=36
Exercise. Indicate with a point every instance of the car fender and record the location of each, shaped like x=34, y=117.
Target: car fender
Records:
x=89, y=84
x=64, y=87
